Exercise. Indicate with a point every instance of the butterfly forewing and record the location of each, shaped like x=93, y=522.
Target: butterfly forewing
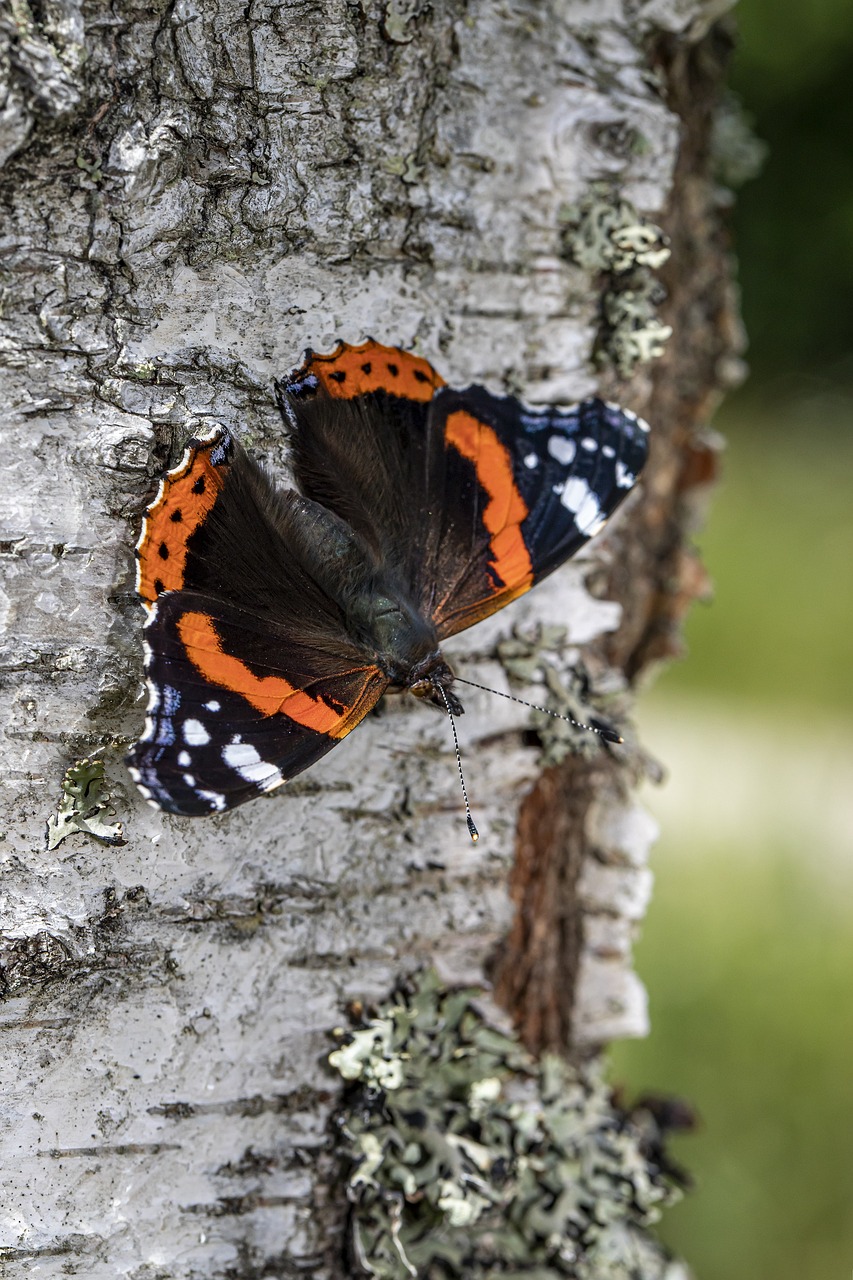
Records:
x=251, y=671
x=544, y=480
x=222, y=729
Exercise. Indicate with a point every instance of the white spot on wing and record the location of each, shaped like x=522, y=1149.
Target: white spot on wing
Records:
x=184, y=759
x=189, y=780
x=531, y=461
x=589, y=444
x=213, y=705
x=195, y=733
x=582, y=502
x=624, y=478
x=217, y=801
x=608, y=451
x=561, y=448
x=245, y=760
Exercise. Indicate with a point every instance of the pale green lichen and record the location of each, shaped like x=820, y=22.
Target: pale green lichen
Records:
x=143, y=370
x=406, y=168
x=93, y=169
x=481, y=1163
x=607, y=235
x=542, y=657
x=632, y=334
x=398, y=20
x=84, y=807
x=737, y=155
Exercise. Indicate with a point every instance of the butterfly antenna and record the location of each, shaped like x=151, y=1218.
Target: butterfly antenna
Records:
x=607, y=734
x=472, y=830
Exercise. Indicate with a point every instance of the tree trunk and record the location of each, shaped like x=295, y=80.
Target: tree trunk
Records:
x=194, y=192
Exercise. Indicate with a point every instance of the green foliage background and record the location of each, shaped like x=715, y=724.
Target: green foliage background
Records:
x=793, y=71
x=748, y=948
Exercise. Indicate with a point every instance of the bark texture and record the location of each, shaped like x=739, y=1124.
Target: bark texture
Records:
x=192, y=193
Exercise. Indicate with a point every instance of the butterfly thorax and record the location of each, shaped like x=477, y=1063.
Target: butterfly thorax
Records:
x=380, y=615
x=404, y=643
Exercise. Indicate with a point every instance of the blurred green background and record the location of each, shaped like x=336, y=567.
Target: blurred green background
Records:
x=747, y=951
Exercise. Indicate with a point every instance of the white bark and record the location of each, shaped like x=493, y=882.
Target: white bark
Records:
x=192, y=196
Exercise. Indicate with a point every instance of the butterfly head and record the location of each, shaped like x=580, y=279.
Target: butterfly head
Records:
x=432, y=679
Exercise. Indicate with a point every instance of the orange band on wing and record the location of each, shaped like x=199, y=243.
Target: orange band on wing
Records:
x=270, y=695
x=186, y=497
x=506, y=508
x=354, y=371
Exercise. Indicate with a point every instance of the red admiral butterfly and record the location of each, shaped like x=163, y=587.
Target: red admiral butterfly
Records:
x=277, y=618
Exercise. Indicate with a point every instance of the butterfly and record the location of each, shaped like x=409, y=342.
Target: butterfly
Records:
x=278, y=617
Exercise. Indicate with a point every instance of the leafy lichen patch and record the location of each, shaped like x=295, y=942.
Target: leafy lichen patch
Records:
x=398, y=20
x=466, y=1157
x=84, y=807
x=606, y=234
x=542, y=656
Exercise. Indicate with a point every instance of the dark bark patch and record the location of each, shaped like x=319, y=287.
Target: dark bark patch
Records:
x=535, y=972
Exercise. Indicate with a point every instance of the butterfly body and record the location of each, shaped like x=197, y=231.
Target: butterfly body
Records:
x=378, y=611
x=278, y=617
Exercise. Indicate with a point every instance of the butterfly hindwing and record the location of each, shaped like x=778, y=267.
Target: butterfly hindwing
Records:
x=353, y=372
x=361, y=445
x=183, y=503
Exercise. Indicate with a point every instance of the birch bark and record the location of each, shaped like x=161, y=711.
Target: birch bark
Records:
x=192, y=193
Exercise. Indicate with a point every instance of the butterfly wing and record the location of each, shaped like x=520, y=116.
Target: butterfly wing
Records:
x=523, y=490
x=470, y=497
x=362, y=446
x=224, y=726
x=252, y=673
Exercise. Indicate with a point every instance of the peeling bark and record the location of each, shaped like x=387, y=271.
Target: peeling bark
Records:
x=192, y=193
x=537, y=972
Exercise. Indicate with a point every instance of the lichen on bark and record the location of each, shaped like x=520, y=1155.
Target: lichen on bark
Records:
x=464, y=1156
